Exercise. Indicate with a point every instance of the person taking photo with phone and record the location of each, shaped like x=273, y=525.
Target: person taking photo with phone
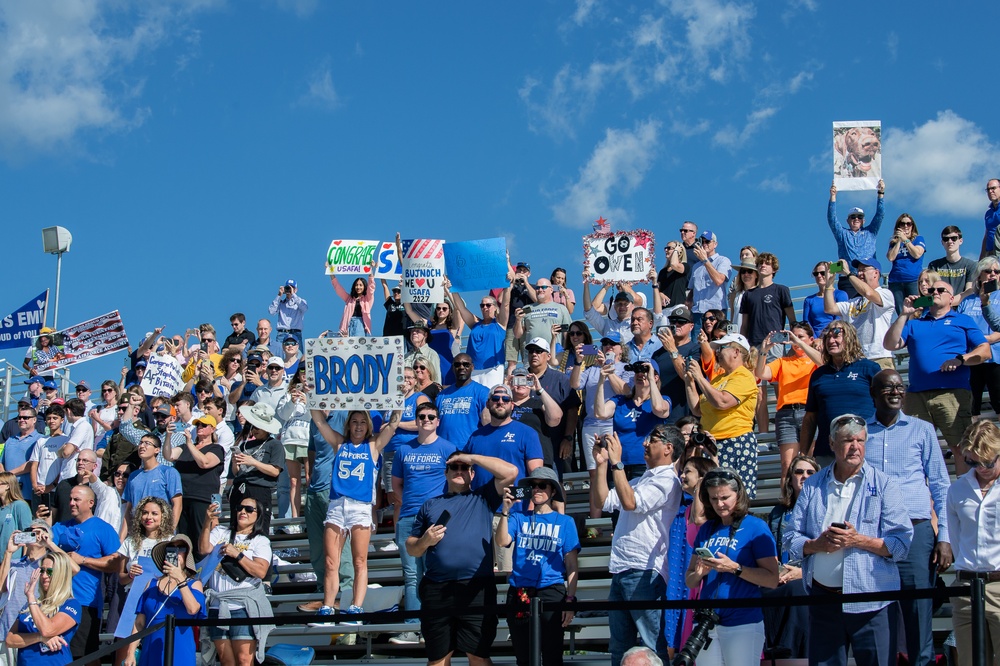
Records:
x=983, y=301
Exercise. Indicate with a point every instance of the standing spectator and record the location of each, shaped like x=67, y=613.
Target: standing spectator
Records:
x=81, y=436
x=265, y=340
x=521, y=294
x=972, y=499
x=15, y=514
x=545, y=545
x=943, y=345
x=93, y=545
x=767, y=307
x=395, y=314
x=291, y=412
x=45, y=464
x=272, y=390
x=953, y=268
x=258, y=458
x=857, y=241
x=850, y=527
x=870, y=311
x=747, y=281
x=906, y=450
x=678, y=346
x=291, y=310
x=537, y=320
x=444, y=329
x=422, y=379
x=562, y=294
x=840, y=386
x=200, y=465
x=406, y=432
x=18, y=448
x=152, y=480
x=745, y=560
x=689, y=238
x=672, y=279
x=604, y=322
x=906, y=251
x=459, y=560
x=486, y=336
x=557, y=440
x=47, y=628
x=462, y=406
x=536, y=408
x=418, y=335
x=634, y=416
x=241, y=339
x=790, y=373
x=813, y=310
x=986, y=375
x=727, y=405
x=643, y=344
x=992, y=218
x=709, y=273
x=417, y=475
x=638, y=565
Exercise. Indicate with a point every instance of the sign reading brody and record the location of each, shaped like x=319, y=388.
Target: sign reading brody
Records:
x=620, y=256
x=355, y=373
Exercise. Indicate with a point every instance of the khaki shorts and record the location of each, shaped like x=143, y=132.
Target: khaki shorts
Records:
x=885, y=363
x=950, y=410
x=513, y=347
x=296, y=451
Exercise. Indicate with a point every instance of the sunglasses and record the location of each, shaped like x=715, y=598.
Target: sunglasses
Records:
x=46, y=570
x=976, y=463
x=542, y=286
x=710, y=318
x=938, y=290
x=544, y=485
x=856, y=420
x=121, y=475
x=855, y=217
x=950, y=239
x=442, y=307
x=247, y=508
x=427, y=417
x=575, y=333
x=500, y=398
x=746, y=271
x=24, y=418
x=818, y=273
x=420, y=367
x=836, y=331
x=808, y=471
x=686, y=231
x=485, y=305
x=462, y=364
x=459, y=467
x=107, y=390
x=720, y=474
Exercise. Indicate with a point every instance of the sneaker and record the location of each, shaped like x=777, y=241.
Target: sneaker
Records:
x=326, y=611
x=354, y=610
x=406, y=638
x=293, y=529
x=310, y=607
x=390, y=547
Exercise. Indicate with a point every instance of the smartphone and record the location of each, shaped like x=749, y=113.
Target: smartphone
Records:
x=732, y=329
x=991, y=286
x=563, y=328
x=443, y=518
x=24, y=538
x=172, y=555
x=590, y=350
x=660, y=329
x=839, y=526
x=779, y=338
x=217, y=499
x=923, y=302
x=520, y=493
x=204, y=346
x=704, y=553
x=526, y=309
x=835, y=267
x=520, y=380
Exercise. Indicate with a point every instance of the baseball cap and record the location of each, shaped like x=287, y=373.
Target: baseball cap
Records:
x=255, y=357
x=34, y=379
x=540, y=343
x=623, y=296
x=140, y=364
x=50, y=385
x=709, y=236
x=274, y=360
x=730, y=339
x=523, y=264
x=856, y=211
x=612, y=336
x=682, y=313
x=84, y=384
x=290, y=339
x=872, y=261
x=164, y=409
x=291, y=283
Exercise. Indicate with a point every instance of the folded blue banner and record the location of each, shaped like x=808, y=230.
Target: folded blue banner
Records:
x=20, y=327
x=478, y=264
x=126, y=621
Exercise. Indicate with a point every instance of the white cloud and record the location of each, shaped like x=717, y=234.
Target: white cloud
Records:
x=558, y=108
x=584, y=8
x=718, y=33
x=301, y=8
x=319, y=89
x=892, y=45
x=617, y=167
x=730, y=137
x=941, y=166
x=61, y=67
x=777, y=183
x=688, y=129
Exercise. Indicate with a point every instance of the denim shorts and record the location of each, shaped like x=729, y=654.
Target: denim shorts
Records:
x=233, y=633
x=788, y=423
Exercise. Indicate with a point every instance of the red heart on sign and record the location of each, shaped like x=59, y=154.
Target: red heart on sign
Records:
x=420, y=283
x=337, y=242
x=368, y=269
x=386, y=246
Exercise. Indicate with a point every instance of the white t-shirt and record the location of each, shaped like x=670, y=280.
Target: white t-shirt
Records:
x=872, y=322
x=46, y=454
x=82, y=436
x=258, y=548
x=226, y=441
x=132, y=553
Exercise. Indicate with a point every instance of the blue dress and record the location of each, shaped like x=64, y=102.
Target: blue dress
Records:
x=441, y=341
x=153, y=608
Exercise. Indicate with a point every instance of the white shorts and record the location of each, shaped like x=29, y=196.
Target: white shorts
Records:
x=589, y=432
x=345, y=513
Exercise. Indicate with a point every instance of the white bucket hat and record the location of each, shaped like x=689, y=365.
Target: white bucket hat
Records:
x=262, y=416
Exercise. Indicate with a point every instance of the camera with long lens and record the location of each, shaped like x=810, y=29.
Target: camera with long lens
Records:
x=705, y=620
x=638, y=366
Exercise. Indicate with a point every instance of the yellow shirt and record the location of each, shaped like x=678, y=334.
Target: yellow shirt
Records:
x=791, y=374
x=735, y=421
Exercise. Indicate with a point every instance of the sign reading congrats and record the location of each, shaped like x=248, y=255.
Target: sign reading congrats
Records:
x=423, y=271
x=355, y=373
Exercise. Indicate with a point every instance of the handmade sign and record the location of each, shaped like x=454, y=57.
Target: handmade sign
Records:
x=126, y=621
x=76, y=344
x=20, y=327
x=388, y=266
x=350, y=257
x=857, y=154
x=478, y=264
x=423, y=271
x=163, y=376
x=620, y=256
x=355, y=373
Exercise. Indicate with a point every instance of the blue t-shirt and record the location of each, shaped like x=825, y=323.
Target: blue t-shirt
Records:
x=813, y=313
x=409, y=415
x=633, y=424
x=905, y=267
x=835, y=392
x=354, y=472
x=322, y=471
x=16, y=451
x=441, y=341
x=39, y=653
x=752, y=542
x=931, y=342
x=485, y=345
x=514, y=442
x=466, y=551
x=460, y=409
x=422, y=469
x=151, y=601
x=92, y=538
x=541, y=543
x=161, y=481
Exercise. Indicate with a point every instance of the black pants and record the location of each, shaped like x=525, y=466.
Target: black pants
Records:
x=985, y=376
x=192, y=520
x=552, y=629
x=262, y=494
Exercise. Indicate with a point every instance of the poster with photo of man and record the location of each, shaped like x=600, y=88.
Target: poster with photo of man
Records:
x=857, y=154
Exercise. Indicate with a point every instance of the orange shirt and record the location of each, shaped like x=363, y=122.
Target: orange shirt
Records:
x=791, y=375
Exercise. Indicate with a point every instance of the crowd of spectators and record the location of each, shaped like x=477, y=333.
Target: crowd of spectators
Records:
x=658, y=391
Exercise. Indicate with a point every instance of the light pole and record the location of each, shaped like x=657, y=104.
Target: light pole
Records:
x=56, y=240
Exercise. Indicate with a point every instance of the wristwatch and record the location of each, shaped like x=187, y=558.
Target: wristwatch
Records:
x=739, y=570
x=674, y=355
x=620, y=466
x=960, y=358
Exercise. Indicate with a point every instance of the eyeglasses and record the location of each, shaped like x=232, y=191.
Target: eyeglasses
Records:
x=121, y=475
x=87, y=462
x=427, y=417
x=808, y=471
x=993, y=187
x=247, y=508
x=893, y=388
x=500, y=398
x=976, y=463
x=938, y=290
x=46, y=570
x=950, y=239
x=459, y=467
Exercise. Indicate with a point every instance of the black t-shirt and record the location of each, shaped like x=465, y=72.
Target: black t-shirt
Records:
x=234, y=339
x=673, y=285
x=672, y=386
x=431, y=391
x=200, y=483
x=63, y=489
x=692, y=259
x=557, y=386
x=763, y=309
x=395, y=318
x=518, y=299
x=269, y=452
x=530, y=413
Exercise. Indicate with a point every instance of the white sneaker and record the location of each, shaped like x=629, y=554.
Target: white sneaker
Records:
x=293, y=529
x=390, y=547
x=406, y=638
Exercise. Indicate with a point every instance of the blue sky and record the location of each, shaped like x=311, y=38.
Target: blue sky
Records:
x=203, y=151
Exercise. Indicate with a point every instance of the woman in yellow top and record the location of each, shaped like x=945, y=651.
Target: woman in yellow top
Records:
x=727, y=404
x=791, y=373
